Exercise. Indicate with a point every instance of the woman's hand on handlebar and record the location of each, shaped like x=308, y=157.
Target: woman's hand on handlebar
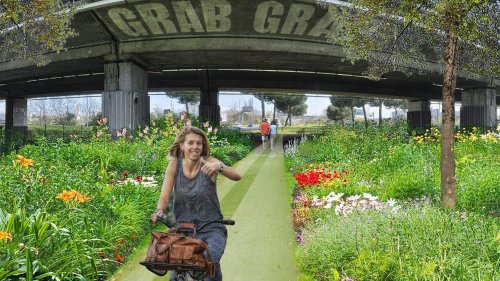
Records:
x=158, y=215
x=154, y=217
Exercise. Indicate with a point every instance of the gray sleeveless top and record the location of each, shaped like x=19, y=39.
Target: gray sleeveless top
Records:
x=195, y=200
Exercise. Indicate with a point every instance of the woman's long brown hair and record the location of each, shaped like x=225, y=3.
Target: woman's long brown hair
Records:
x=175, y=149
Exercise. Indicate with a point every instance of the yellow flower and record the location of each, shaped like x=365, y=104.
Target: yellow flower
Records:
x=5, y=236
x=23, y=161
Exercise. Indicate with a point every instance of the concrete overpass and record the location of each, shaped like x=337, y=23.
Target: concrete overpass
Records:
x=127, y=48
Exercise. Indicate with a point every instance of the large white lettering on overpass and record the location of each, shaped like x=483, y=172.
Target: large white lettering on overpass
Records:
x=173, y=18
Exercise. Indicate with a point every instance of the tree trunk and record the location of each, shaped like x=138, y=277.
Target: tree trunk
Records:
x=187, y=108
x=290, y=115
x=364, y=115
x=263, y=107
x=448, y=179
x=352, y=116
x=274, y=110
x=380, y=114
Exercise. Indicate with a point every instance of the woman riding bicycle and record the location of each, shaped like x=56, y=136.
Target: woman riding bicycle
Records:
x=191, y=177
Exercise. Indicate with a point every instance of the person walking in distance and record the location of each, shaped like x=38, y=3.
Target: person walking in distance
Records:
x=264, y=132
x=191, y=177
x=273, y=133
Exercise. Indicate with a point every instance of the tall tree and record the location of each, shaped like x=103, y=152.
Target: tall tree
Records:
x=337, y=114
x=185, y=97
x=359, y=102
x=263, y=98
x=89, y=107
x=62, y=109
x=39, y=107
x=377, y=103
x=396, y=104
x=343, y=102
x=410, y=36
x=31, y=28
x=293, y=105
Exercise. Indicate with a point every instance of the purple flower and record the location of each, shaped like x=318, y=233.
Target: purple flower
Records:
x=300, y=238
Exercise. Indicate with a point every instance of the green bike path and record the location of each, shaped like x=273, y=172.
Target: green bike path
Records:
x=261, y=245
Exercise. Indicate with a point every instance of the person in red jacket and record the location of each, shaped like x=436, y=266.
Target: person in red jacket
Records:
x=265, y=130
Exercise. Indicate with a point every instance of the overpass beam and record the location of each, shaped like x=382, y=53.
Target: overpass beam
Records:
x=125, y=99
x=479, y=108
x=419, y=115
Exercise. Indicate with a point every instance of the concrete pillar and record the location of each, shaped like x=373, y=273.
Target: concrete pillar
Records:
x=125, y=100
x=16, y=119
x=479, y=108
x=209, y=102
x=419, y=115
x=209, y=106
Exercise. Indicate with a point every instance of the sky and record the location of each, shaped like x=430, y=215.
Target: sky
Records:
x=159, y=102
x=316, y=104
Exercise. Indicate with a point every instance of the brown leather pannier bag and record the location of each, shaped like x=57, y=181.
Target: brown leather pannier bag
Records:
x=174, y=250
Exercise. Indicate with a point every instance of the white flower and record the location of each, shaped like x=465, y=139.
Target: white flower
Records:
x=391, y=202
x=353, y=198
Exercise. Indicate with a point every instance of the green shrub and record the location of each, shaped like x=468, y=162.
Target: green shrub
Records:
x=416, y=243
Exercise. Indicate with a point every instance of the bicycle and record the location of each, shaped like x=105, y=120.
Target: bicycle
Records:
x=184, y=272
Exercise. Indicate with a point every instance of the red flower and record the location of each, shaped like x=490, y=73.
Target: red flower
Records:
x=118, y=257
x=120, y=240
x=125, y=174
x=138, y=178
x=119, y=180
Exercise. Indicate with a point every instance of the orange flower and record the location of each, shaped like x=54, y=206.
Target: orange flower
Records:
x=120, y=240
x=82, y=198
x=23, y=161
x=102, y=254
x=66, y=196
x=118, y=257
x=5, y=236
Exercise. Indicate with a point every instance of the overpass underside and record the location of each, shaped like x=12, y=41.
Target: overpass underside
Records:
x=126, y=48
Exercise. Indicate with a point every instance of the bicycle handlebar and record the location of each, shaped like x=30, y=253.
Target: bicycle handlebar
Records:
x=163, y=219
x=228, y=222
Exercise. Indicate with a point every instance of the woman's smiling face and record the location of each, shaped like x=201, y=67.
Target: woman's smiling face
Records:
x=192, y=146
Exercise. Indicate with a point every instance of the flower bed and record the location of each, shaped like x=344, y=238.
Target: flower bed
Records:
x=76, y=210
x=366, y=206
